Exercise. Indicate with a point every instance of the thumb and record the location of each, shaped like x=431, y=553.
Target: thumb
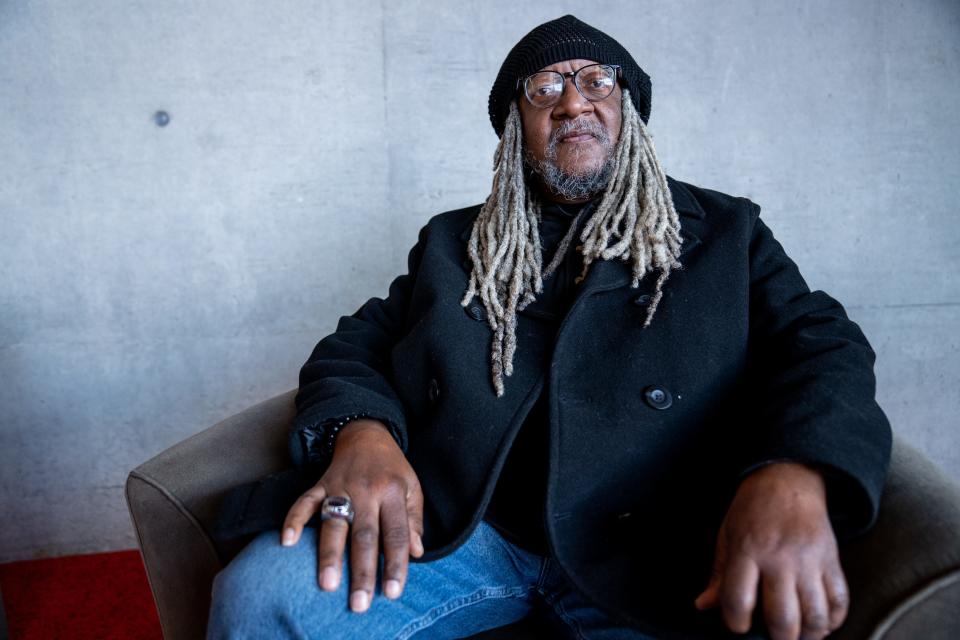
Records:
x=709, y=598
x=416, y=542
x=415, y=520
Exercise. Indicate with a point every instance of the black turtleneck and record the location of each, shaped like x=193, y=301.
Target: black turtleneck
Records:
x=517, y=506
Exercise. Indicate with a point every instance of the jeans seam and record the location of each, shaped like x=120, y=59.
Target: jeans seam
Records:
x=542, y=578
x=456, y=604
x=568, y=620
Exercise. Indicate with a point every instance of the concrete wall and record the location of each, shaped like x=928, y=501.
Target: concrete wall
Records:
x=154, y=280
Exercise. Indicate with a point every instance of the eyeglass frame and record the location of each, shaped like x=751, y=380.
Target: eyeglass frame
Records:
x=522, y=82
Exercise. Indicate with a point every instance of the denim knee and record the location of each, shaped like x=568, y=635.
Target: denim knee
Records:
x=263, y=592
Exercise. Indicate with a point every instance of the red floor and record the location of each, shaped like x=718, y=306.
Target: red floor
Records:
x=104, y=596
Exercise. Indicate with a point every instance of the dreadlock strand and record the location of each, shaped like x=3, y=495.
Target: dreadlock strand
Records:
x=628, y=204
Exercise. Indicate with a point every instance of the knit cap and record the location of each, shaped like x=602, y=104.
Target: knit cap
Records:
x=562, y=39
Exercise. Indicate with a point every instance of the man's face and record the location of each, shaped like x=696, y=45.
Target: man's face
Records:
x=571, y=144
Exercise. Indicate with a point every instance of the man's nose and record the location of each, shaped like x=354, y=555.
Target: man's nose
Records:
x=572, y=103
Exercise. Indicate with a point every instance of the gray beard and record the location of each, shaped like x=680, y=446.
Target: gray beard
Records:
x=573, y=186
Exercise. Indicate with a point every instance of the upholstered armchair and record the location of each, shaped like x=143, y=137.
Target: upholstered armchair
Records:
x=904, y=575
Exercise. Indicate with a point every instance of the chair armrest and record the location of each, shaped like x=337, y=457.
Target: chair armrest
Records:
x=904, y=574
x=173, y=500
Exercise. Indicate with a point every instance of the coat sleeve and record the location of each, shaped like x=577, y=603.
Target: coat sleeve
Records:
x=348, y=374
x=813, y=388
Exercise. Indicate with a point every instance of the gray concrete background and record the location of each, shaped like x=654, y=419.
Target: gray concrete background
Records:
x=154, y=280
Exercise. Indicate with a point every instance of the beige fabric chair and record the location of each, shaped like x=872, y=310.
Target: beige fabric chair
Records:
x=904, y=575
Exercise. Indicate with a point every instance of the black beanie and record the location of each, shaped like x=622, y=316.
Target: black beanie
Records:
x=565, y=38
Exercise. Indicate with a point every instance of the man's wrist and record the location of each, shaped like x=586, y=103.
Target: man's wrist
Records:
x=362, y=429
x=322, y=441
x=798, y=475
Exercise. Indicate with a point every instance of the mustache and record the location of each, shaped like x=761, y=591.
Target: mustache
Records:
x=579, y=127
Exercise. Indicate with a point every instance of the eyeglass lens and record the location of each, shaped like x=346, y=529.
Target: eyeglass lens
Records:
x=595, y=82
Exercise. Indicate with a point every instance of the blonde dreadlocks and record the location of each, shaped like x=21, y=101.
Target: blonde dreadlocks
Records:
x=635, y=220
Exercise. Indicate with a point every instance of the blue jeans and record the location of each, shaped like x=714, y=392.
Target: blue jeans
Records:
x=271, y=591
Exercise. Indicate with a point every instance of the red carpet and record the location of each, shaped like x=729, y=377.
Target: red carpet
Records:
x=103, y=596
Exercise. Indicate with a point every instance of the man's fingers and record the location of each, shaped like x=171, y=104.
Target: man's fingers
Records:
x=738, y=592
x=415, y=518
x=396, y=544
x=838, y=597
x=781, y=608
x=814, y=612
x=364, y=554
x=332, y=539
x=301, y=512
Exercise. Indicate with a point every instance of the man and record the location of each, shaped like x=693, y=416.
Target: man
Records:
x=645, y=455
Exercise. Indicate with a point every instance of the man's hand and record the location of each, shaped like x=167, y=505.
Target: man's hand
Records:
x=370, y=469
x=777, y=533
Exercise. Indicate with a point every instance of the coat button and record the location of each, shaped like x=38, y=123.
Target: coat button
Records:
x=657, y=397
x=476, y=311
x=642, y=300
x=433, y=390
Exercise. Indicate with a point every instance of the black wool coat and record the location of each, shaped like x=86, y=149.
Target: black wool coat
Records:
x=650, y=429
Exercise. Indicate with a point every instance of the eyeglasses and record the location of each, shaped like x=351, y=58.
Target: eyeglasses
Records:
x=594, y=82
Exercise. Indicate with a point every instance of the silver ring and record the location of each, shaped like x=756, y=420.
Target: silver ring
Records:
x=337, y=508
